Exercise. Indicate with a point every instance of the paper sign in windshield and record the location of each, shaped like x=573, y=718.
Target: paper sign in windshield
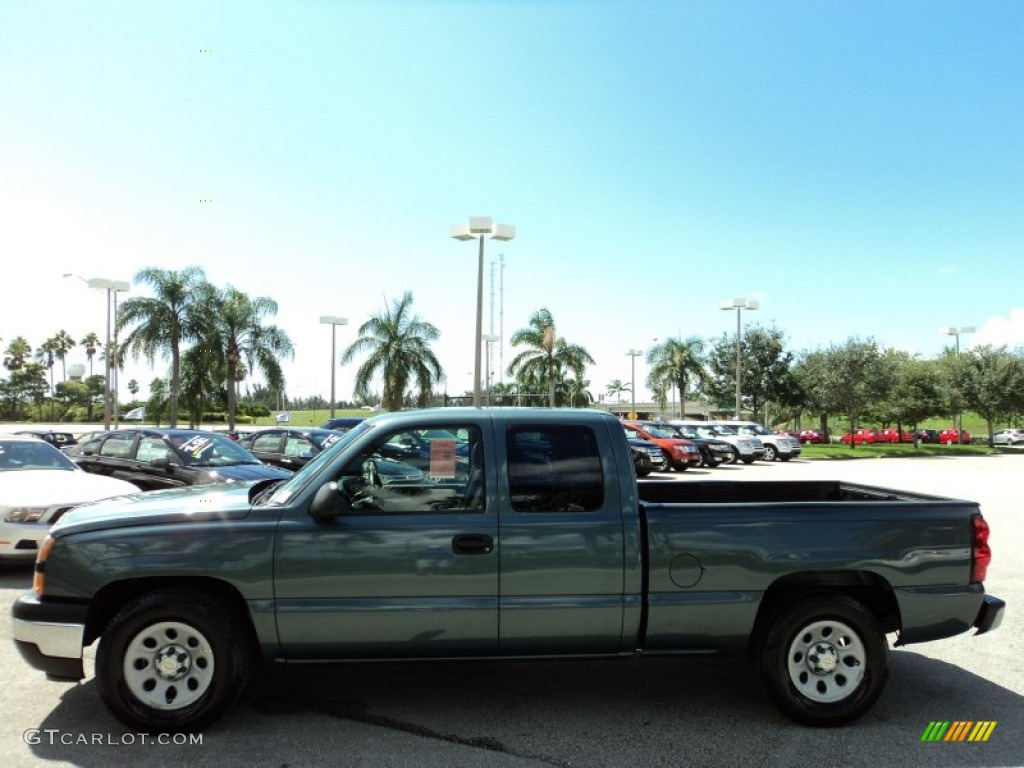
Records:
x=442, y=458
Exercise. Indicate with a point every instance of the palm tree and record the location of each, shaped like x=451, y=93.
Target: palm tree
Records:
x=17, y=353
x=235, y=334
x=576, y=393
x=615, y=388
x=547, y=357
x=672, y=364
x=399, y=345
x=91, y=342
x=46, y=354
x=63, y=344
x=162, y=323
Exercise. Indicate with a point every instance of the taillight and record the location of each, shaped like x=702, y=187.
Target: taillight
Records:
x=981, y=553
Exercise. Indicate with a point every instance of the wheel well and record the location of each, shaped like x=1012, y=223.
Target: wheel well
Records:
x=111, y=598
x=868, y=589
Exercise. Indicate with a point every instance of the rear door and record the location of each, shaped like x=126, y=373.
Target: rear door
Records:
x=562, y=542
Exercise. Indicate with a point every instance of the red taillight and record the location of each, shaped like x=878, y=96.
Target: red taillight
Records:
x=981, y=553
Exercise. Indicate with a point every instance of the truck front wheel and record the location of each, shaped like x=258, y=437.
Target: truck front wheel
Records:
x=824, y=660
x=172, y=661
x=770, y=454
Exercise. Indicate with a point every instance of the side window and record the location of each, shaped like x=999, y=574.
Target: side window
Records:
x=446, y=474
x=297, y=446
x=117, y=446
x=554, y=469
x=151, y=449
x=268, y=443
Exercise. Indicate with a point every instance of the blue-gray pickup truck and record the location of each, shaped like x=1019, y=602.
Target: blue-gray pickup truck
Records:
x=513, y=534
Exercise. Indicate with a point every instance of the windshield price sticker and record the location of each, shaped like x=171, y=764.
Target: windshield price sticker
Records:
x=442, y=458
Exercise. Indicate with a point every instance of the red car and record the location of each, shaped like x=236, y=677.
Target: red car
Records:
x=896, y=436
x=681, y=453
x=812, y=436
x=862, y=436
x=948, y=437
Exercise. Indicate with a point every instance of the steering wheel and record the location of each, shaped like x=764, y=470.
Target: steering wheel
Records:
x=371, y=474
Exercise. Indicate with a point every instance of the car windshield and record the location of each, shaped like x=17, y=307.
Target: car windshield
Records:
x=284, y=491
x=211, y=450
x=32, y=454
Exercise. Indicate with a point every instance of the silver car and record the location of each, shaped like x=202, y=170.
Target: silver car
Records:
x=1008, y=437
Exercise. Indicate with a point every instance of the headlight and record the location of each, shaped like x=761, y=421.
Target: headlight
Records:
x=24, y=514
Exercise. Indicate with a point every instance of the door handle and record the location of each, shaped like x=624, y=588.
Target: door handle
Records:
x=472, y=544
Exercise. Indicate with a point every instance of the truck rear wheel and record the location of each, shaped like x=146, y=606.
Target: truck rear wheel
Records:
x=824, y=660
x=172, y=661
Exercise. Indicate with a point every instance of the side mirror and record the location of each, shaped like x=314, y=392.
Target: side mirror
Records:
x=328, y=502
x=165, y=464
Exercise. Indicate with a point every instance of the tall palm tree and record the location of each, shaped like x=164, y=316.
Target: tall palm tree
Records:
x=398, y=342
x=672, y=365
x=547, y=357
x=17, y=353
x=615, y=388
x=91, y=342
x=46, y=354
x=173, y=316
x=236, y=335
x=63, y=344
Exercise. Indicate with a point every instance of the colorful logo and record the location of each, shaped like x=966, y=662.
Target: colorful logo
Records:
x=958, y=730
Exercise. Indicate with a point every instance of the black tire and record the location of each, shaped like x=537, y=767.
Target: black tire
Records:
x=204, y=647
x=785, y=458
x=748, y=459
x=681, y=466
x=824, y=660
x=735, y=455
x=770, y=454
x=643, y=472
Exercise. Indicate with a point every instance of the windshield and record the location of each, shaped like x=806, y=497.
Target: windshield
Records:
x=32, y=454
x=211, y=450
x=286, y=490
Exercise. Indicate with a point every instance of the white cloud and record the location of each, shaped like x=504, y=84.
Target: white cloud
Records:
x=998, y=331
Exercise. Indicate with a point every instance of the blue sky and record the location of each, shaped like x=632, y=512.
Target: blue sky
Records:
x=857, y=167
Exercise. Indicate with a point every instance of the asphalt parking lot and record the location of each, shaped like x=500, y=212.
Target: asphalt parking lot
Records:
x=661, y=712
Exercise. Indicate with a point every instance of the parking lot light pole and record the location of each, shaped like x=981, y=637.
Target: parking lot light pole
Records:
x=112, y=287
x=488, y=339
x=739, y=305
x=633, y=355
x=959, y=418
x=477, y=228
x=334, y=322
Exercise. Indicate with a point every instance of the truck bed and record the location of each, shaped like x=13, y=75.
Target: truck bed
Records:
x=768, y=491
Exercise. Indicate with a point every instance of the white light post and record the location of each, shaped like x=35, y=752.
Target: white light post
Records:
x=477, y=228
x=488, y=339
x=112, y=287
x=633, y=355
x=334, y=322
x=955, y=332
x=739, y=305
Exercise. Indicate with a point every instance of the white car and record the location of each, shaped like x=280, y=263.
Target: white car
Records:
x=1008, y=437
x=38, y=484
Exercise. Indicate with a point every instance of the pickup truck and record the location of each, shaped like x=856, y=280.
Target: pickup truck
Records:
x=538, y=543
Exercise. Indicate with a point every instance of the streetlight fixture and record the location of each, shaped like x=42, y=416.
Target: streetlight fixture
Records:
x=633, y=355
x=334, y=322
x=955, y=332
x=739, y=305
x=477, y=228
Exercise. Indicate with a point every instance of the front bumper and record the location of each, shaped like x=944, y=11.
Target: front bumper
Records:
x=49, y=635
x=990, y=615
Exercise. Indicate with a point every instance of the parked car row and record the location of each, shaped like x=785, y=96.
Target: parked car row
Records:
x=866, y=435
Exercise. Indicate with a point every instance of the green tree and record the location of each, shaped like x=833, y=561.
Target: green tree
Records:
x=17, y=353
x=63, y=344
x=914, y=394
x=853, y=377
x=238, y=337
x=91, y=343
x=398, y=343
x=673, y=364
x=575, y=393
x=765, y=375
x=993, y=383
x=547, y=358
x=157, y=404
x=173, y=316
x=46, y=354
x=615, y=388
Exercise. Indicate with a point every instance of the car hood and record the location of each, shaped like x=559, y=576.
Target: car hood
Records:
x=176, y=505
x=57, y=487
